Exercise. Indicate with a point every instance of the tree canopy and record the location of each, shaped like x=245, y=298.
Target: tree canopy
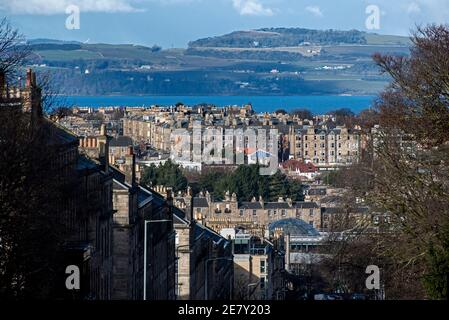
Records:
x=246, y=182
x=167, y=174
x=404, y=175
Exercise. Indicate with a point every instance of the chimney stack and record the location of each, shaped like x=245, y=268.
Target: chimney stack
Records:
x=103, y=130
x=29, y=77
x=169, y=196
x=103, y=145
x=133, y=171
x=189, y=209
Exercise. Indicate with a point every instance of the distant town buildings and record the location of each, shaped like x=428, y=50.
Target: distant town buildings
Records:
x=325, y=147
x=253, y=216
x=201, y=247
x=317, y=141
x=314, y=140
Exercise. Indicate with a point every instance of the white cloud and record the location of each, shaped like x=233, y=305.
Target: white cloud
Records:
x=251, y=8
x=49, y=7
x=413, y=7
x=315, y=10
x=437, y=10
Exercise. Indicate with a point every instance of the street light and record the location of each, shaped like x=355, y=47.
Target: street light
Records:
x=205, y=267
x=145, y=255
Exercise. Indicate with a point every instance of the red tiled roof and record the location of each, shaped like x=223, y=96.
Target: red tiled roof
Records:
x=294, y=165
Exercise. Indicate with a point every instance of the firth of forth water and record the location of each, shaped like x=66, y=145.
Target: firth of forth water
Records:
x=316, y=104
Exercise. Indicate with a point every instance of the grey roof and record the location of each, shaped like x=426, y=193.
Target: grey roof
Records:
x=84, y=163
x=251, y=205
x=203, y=231
x=277, y=205
x=200, y=203
x=294, y=227
x=60, y=135
x=306, y=205
x=144, y=196
x=178, y=213
x=121, y=141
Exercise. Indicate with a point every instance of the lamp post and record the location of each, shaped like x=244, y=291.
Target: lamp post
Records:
x=145, y=255
x=205, y=273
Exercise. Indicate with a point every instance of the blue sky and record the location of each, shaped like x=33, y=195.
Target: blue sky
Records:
x=172, y=23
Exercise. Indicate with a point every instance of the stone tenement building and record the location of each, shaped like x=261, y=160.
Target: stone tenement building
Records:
x=253, y=216
x=86, y=121
x=85, y=212
x=204, y=261
x=316, y=141
x=258, y=266
x=325, y=147
x=28, y=98
x=134, y=205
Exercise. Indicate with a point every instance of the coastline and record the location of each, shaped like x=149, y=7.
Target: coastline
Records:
x=315, y=103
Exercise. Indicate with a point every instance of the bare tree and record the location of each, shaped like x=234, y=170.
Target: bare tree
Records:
x=13, y=49
x=406, y=176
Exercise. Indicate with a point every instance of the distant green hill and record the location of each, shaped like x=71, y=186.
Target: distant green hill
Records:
x=292, y=37
x=270, y=61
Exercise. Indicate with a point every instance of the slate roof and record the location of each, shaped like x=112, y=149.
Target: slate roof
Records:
x=144, y=196
x=200, y=203
x=305, y=205
x=277, y=205
x=84, y=163
x=250, y=205
x=121, y=141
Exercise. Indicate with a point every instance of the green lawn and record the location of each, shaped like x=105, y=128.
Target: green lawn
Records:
x=67, y=55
